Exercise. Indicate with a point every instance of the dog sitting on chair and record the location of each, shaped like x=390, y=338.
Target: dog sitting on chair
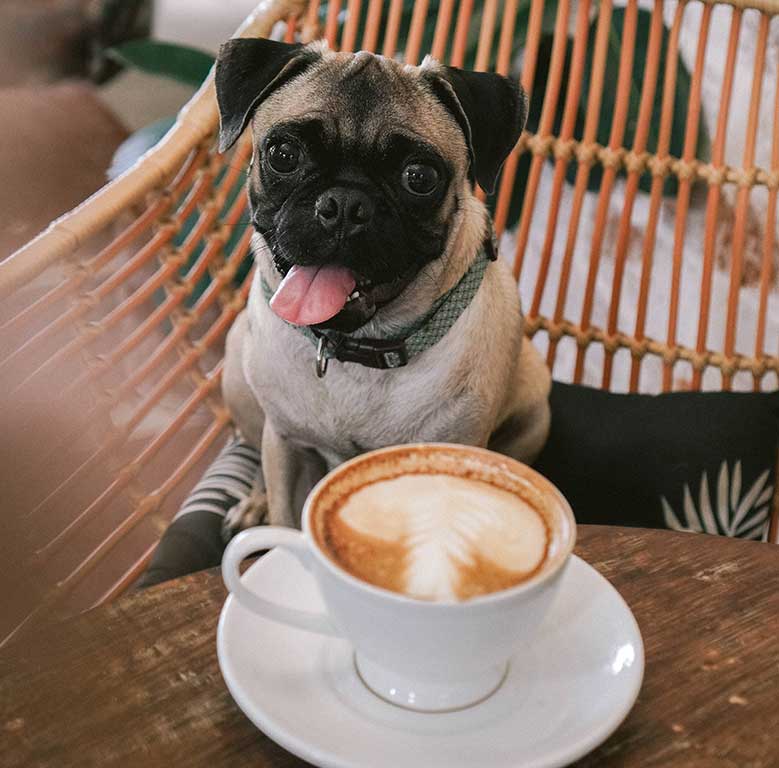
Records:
x=378, y=313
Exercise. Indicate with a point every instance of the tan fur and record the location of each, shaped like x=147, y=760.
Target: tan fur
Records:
x=481, y=375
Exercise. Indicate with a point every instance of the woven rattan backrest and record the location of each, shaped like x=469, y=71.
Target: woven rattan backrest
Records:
x=640, y=268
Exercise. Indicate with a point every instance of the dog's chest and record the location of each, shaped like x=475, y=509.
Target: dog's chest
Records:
x=352, y=408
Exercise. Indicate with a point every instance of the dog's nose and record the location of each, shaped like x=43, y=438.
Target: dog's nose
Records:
x=341, y=208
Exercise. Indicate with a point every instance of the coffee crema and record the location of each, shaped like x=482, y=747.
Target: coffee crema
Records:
x=437, y=537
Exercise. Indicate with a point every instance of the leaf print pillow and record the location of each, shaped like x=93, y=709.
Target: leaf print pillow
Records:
x=736, y=514
x=703, y=462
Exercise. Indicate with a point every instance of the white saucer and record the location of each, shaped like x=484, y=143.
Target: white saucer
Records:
x=557, y=703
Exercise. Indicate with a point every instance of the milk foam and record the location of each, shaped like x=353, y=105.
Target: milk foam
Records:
x=445, y=523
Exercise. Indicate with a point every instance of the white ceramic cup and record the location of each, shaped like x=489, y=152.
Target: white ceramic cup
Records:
x=426, y=656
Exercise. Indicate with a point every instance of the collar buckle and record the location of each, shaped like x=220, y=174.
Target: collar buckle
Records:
x=372, y=353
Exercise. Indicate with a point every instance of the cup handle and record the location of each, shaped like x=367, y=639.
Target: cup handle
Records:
x=266, y=537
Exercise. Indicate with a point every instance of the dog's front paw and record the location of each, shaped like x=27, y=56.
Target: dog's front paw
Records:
x=251, y=511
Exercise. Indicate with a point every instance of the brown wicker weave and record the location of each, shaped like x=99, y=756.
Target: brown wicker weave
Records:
x=110, y=374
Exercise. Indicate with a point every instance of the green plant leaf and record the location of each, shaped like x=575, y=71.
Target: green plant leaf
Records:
x=179, y=62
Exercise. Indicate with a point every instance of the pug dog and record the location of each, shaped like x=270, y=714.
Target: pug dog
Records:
x=378, y=312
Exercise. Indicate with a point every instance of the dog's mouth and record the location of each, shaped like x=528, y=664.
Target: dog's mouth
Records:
x=309, y=295
x=331, y=296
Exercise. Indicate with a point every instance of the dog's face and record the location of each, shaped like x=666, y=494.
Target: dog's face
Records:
x=359, y=166
x=352, y=179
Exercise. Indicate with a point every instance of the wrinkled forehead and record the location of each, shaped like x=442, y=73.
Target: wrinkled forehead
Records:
x=363, y=99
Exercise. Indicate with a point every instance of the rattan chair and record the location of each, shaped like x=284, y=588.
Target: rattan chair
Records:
x=113, y=320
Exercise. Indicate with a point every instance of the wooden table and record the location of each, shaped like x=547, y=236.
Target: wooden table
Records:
x=136, y=682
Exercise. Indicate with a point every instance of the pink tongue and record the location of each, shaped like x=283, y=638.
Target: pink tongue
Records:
x=311, y=295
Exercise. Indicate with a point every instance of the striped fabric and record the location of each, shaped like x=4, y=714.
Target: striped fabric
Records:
x=227, y=481
x=193, y=541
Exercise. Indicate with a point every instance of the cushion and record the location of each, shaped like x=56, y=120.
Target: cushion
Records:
x=690, y=461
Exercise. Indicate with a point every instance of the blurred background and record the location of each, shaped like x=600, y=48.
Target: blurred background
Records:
x=77, y=78
x=86, y=86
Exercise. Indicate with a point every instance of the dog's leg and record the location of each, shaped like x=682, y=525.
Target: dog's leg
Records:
x=523, y=433
x=251, y=511
x=249, y=419
x=238, y=397
x=290, y=474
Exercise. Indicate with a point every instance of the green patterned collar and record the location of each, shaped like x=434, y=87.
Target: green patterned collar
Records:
x=419, y=336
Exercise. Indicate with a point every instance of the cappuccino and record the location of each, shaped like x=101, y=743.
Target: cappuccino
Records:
x=435, y=536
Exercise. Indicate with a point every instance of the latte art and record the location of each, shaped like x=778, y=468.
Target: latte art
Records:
x=437, y=537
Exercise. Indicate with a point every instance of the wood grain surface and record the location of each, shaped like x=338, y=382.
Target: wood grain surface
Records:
x=136, y=682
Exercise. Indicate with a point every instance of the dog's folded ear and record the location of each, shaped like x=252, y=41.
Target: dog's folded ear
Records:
x=248, y=70
x=491, y=111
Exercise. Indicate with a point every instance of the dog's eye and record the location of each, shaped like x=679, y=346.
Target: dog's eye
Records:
x=420, y=179
x=283, y=157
